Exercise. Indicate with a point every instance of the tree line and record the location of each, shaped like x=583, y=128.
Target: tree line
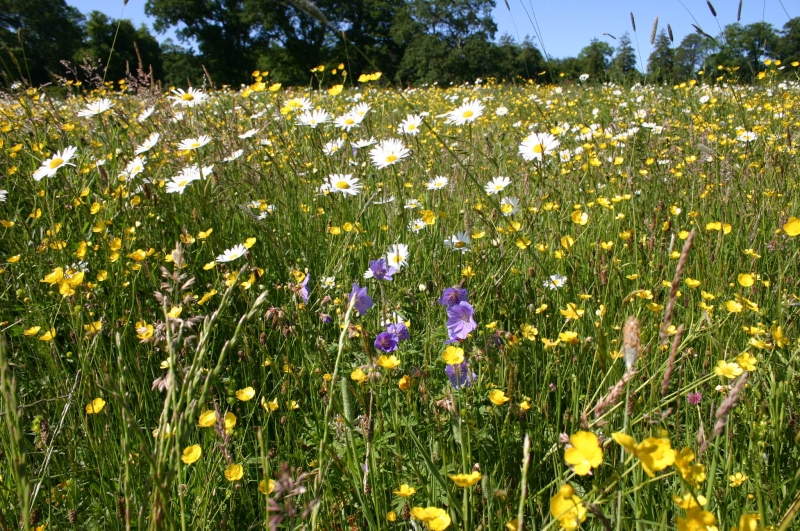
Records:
x=412, y=42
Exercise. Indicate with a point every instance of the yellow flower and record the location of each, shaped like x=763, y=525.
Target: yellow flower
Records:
x=778, y=337
x=249, y=242
x=405, y=491
x=246, y=394
x=358, y=375
x=48, y=336
x=745, y=280
x=234, y=472
x=175, y=312
x=737, y=479
x=94, y=327
x=749, y=522
x=54, y=277
x=270, y=406
x=436, y=519
x=453, y=355
x=692, y=283
x=727, y=370
x=580, y=217
x=654, y=454
x=138, y=255
x=13, y=259
x=388, y=362
x=734, y=306
x=404, y=383
x=498, y=397
x=207, y=418
x=567, y=242
x=585, y=453
x=466, y=480
x=230, y=422
x=191, y=454
x=572, y=312
x=569, y=337
x=697, y=520
x=391, y=516
x=266, y=486
x=95, y=406
x=32, y=331
x=792, y=227
x=529, y=332
x=692, y=474
x=746, y=361
x=567, y=508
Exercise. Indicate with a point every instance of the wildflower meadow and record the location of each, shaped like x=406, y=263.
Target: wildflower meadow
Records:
x=348, y=306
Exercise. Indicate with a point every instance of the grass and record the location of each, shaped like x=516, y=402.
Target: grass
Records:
x=163, y=333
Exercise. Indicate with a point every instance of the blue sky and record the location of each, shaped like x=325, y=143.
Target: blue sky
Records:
x=569, y=25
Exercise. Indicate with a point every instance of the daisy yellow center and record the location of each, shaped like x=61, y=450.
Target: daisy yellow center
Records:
x=349, y=121
x=343, y=185
x=460, y=245
x=195, y=144
x=183, y=183
x=467, y=114
x=391, y=158
x=187, y=97
x=411, y=127
x=538, y=148
x=508, y=207
x=56, y=162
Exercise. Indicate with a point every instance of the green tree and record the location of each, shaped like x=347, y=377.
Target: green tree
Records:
x=744, y=48
x=788, y=46
x=689, y=56
x=100, y=31
x=182, y=67
x=623, y=65
x=661, y=63
x=595, y=59
x=49, y=31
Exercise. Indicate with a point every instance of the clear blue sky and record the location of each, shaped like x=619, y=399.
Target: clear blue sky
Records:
x=568, y=25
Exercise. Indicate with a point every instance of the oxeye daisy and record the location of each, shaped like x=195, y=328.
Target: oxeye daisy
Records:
x=96, y=107
x=148, y=144
x=233, y=156
x=50, y=166
x=343, y=184
x=410, y=126
x=193, y=143
x=237, y=251
x=437, y=183
x=145, y=114
x=746, y=136
x=466, y=113
x=416, y=225
x=189, y=98
x=537, y=145
x=360, y=111
x=509, y=206
x=347, y=121
x=313, y=118
x=387, y=152
x=358, y=144
x=397, y=255
x=555, y=281
x=3, y=195
x=458, y=242
x=248, y=134
x=496, y=185
x=333, y=146
x=134, y=168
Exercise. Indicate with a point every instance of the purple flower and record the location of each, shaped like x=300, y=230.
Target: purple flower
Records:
x=386, y=342
x=400, y=330
x=304, y=288
x=380, y=270
x=326, y=318
x=363, y=302
x=460, y=375
x=460, y=321
x=694, y=398
x=451, y=296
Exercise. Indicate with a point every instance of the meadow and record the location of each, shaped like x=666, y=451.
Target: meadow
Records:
x=477, y=307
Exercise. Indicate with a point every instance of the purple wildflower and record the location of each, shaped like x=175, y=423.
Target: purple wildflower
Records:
x=326, y=318
x=460, y=375
x=460, y=321
x=400, y=330
x=363, y=302
x=304, y=288
x=452, y=296
x=380, y=270
x=694, y=398
x=386, y=342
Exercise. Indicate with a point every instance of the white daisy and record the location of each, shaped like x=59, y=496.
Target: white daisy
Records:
x=509, y=206
x=410, y=126
x=151, y=141
x=564, y=155
x=134, y=168
x=387, y=152
x=178, y=183
x=193, y=143
x=458, y=242
x=328, y=282
x=466, y=113
x=333, y=146
x=347, y=121
x=313, y=118
x=555, y=281
x=343, y=184
x=746, y=136
x=237, y=251
x=3, y=195
x=537, y=145
x=501, y=111
x=413, y=203
x=437, y=183
x=360, y=111
x=303, y=104
x=188, y=98
x=50, y=166
x=96, y=107
x=145, y=114
x=496, y=185
x=416, y=225
x=364, y=143
x=397, y=255
x=248, y=134
x=233, y=156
